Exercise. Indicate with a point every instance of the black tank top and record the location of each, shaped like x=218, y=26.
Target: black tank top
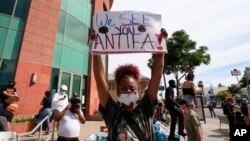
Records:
x=188, y=91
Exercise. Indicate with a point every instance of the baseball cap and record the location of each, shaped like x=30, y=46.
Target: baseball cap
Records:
x=64, y=87
x=244, y=101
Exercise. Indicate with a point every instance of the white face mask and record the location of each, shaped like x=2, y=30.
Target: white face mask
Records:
x=128, y=98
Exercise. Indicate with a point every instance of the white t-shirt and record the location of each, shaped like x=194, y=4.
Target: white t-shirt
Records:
x=69, y=125
x=59, y=104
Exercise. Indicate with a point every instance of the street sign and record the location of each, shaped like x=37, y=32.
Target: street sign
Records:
x=235, y=72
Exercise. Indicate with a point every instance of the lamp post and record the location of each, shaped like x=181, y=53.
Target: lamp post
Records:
x=236, y=73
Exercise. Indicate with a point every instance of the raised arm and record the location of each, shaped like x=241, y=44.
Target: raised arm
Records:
x=156, y=71
x=101, y=82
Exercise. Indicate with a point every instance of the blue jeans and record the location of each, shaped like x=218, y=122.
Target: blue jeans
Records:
x=42, y=115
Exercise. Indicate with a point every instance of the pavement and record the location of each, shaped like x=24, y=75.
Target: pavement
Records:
x=211, y=129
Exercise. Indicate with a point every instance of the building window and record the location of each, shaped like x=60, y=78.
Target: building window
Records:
x=7, y=69
x=22, y=9
x=7, y=6
x=54, y=80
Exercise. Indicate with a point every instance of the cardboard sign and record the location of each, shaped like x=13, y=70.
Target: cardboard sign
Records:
x=127, y=32
x=7, y=136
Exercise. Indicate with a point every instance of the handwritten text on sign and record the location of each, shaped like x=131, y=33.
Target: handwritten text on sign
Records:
x=123, y=32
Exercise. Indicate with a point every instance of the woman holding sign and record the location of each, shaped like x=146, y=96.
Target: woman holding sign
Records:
x=131, y=117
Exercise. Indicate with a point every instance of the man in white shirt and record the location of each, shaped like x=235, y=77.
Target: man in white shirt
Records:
x=70, y=119
x=60, y=99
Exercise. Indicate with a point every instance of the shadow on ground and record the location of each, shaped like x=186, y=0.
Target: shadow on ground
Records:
x=220, y=133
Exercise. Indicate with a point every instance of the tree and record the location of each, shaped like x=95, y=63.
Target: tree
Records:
x=223, y=95
x=183, y=56
x=243, y=81
x=234, y=89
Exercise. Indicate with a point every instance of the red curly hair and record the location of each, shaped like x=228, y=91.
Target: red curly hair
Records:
x=127, y=70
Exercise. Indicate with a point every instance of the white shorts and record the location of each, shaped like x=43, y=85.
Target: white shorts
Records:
x=189, y=99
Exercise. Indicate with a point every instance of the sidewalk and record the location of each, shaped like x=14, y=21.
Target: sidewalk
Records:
x=211, y=130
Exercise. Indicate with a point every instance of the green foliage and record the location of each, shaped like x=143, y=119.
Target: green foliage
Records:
x=243, y=82
x=234, y=89
x=183, y=55
x=19, y=119
x=223, y=95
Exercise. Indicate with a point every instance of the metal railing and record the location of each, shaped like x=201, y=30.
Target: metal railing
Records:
x=40, y=126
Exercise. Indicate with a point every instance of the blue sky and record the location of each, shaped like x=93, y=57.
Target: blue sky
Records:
x=221, y=25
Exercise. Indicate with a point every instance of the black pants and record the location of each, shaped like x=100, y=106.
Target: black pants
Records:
x=67, y=139
x=231, y=124
x=212, y=112
x=176, y=114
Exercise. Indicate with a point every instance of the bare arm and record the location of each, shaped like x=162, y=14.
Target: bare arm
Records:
x=199, y=132
x=58, y=114
x=194, y=90
x=11, y=95
x=6, y=94
x=80, y=115
x=101, y=82
x=156, y=72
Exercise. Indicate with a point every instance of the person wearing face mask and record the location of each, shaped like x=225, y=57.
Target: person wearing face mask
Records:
x=131, y=116
x=9, y=95
x=60, y=99
x=70, y=119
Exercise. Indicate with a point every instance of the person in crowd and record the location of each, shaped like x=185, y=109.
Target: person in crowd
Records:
x=211, y=109
x=6, y=117
x=73, y=95
x=9, y=95
x=191, y=122
x=45, y=110
x=131, y=117
x=60, y=99
x=174, y=110
x=160, y=112
x=244, y=108
x=188, y=89
x=70, y=119
x=228, y=110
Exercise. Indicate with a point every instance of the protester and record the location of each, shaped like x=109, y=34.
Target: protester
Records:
x=60, y=99
x=131, y=118
x=228, y=110
x=174, y=110
x=45, y=111
x=70, y=119
x=211, y=109
x=160, y=112
x=6, y=117
x=188, y=89
x=8, y=95
x=191, y=122
x=244, y=109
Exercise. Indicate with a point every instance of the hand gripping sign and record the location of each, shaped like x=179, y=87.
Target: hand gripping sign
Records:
x=127, y=32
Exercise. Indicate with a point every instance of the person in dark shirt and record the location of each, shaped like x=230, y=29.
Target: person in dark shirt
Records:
x=211, y=109
x=174, y=110
x=46, y=110
x=6, y=117
x=8, y=92
x=188, y=89
x=131, y=114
